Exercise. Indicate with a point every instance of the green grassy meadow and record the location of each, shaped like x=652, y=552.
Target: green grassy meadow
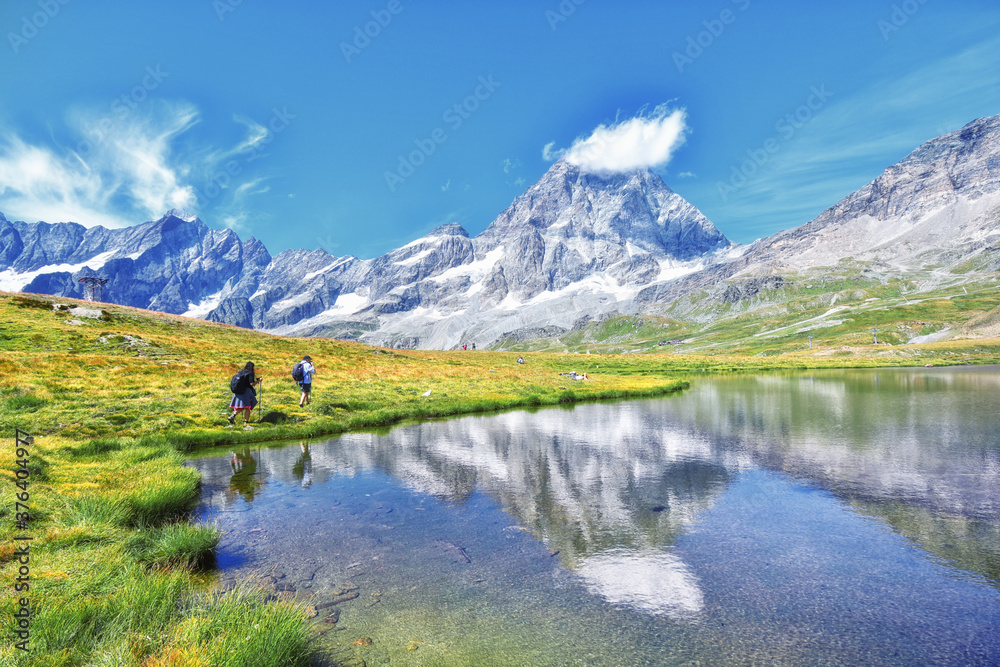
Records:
x=119, y=576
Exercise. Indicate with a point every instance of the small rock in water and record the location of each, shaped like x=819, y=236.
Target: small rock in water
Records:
x=332, y=617
x=345, y=587
x=353, y=595
x=520, y=528
x=456, y=552
x=362, y=641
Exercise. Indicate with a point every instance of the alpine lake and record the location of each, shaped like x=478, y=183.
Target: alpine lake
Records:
x=844, y=517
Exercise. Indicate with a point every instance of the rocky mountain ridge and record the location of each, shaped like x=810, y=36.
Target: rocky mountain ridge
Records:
x=936, y=212
x=574, y=248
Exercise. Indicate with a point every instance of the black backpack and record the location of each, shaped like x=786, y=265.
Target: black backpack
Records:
x=298, y=373
x=239, y=383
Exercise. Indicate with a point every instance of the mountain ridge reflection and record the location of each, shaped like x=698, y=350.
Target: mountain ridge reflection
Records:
x=917, y=450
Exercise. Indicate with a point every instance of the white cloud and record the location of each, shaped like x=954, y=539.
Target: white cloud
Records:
x=251, y=188
x=238, y=212
x=122, y=168
x=257, y=135
x=127, y=166
x=235, y=222
x=549, y=153
x=35, y=184
x=637, y=143
x=509, y=165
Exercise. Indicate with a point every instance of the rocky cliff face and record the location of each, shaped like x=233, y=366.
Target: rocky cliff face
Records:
x=175, y=264
x=941, y=198
x=573, y=224
x=937, y=210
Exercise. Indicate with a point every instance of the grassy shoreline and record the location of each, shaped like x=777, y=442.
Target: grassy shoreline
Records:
x=115, y=395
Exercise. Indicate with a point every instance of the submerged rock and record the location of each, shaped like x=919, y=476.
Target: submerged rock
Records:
x=453, y=551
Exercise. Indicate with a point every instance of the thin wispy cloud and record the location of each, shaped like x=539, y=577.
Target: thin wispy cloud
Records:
x=508, y=165
x=644, y=141
x=137, y=154
x=256, y=133
x=116, y=172
x=240, y=211
x=251, y=188
x=256, y=136
x=36, y=185
x=850, y=140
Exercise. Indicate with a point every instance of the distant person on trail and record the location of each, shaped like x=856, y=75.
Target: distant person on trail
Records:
x=473, y=346
x=244, y=395
x=308, y=370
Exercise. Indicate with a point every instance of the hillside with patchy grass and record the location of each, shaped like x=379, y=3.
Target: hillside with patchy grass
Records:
x=809, y=316
x=114, y=396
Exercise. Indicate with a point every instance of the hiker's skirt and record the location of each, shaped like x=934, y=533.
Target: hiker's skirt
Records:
x=246, y=400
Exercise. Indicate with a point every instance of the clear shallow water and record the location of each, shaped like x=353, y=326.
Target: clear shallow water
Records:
x=843, y=517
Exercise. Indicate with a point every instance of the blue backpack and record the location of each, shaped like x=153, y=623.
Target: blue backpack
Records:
x=298, y=373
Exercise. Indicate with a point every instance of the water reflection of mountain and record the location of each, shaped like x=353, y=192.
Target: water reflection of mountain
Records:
x=925, y=438
x=607, y=487
x=584, y=480
x=917, y=449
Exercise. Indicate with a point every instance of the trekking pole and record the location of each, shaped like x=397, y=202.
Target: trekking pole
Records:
x=260, y=400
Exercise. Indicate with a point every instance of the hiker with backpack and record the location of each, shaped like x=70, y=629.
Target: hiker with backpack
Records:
x=302, y=373
x=244, y=395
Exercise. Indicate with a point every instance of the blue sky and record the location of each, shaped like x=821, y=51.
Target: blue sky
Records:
x=357, y=127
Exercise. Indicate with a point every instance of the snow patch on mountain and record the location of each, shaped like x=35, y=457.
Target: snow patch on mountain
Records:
x=205, y=306
x=12, y=280
x=475, y=270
